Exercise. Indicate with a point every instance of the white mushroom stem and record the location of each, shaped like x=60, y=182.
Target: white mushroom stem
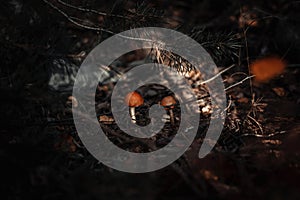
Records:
x=172, y=120
x=132, y=114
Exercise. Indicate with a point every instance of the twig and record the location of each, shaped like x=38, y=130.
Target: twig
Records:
x=95, y=28
x=91, y=10
x=263, y=136
x=240, y=82
x=215, y=76
x=247, y=51
x=257, y=123
x=229, y=104
x=74, y=22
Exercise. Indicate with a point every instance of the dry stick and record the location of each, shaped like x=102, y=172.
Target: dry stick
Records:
x=95, y=28
x=247, y=49
x=91, y=10
x=257, y=123
x=73, y=21
x=247, y=55
x=263, y=136
x=229, y=87
x=229, y=104
x=103, y=13
x=238, y=83
x=215, y=76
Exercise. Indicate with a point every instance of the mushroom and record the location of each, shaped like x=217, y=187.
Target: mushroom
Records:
x=168, y=103
x=133, y=100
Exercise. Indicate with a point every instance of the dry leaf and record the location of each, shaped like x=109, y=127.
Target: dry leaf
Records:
x=273, y=142
x=72, y=100
x=105, y=119
x=209, y=175
x=279, y=91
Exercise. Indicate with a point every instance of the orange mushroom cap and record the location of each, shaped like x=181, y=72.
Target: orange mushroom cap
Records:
x=267, y=68
x=168, y=101
x=134, y=99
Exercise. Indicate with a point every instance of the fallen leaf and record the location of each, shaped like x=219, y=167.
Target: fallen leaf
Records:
x=273, y=142
x=209, y=175
x=279, y=91
x=72, y=100
x=106, y=119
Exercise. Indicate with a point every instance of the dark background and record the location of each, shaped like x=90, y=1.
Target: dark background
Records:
x=41, y=155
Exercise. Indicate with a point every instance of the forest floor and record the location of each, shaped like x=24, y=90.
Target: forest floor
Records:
x=42, y=156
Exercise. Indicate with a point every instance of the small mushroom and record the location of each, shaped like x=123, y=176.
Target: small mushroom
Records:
x=133, y=100
x=168, y=103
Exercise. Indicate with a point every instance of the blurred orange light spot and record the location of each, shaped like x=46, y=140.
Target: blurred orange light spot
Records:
x=267, y=68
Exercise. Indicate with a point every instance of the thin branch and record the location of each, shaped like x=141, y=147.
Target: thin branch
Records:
x=247, y=50
x=95, y=28
x=257, y=123
x=263, y=136
x=215, y=76
x=91, y=10
x=240, y=82
x=74, y=22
